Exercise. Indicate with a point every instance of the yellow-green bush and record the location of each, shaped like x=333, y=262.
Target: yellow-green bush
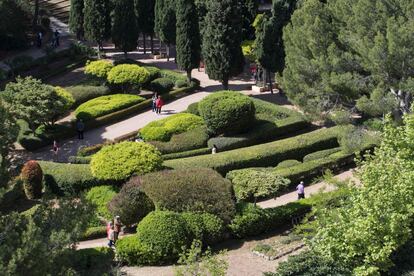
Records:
x=120, y=161
x=162, y=130
x=99, y=68
x=100, y=197
x=69, y=100
x=128, y=76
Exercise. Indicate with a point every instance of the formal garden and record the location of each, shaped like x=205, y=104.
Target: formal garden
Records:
x=259, y=98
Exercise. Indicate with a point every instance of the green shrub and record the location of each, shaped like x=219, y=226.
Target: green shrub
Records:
x=79, y=159
x=129, y=250
x=227, y=112
x=189, y=140
x=162, y=85
x=154, y=73
x=131, y=204
x=374, y=124
x=99, y=68
x=341, y=117
x=162, y=130
x=68, y=179
x=263, y=155
x=67, y=98
x=193, y=109
x=288, y=163
x=255, y=184
x=205, y=191
x=105, y=105
x=319, y=154
x=205, y=227
x=128, y=76
x=94, y=232
x=252, y=221
x=173, y=76
x=32, y=177
x=248, y=51
x=120, y=161
x=181, y=83
x=91, y=261
x=100, y=198
x=84, y=93
x=184, y=154
x=164, y=234
x=91, y=150
x=356, y=139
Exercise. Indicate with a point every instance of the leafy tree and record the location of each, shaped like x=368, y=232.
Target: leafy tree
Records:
x=249, y=10
x=188, y=37
x=36, y=243
x=97, y=22
x=124, y=26
x=37, y=103
x=221, y=49
x=378, y=104
x=8, y=135
x=340, y=50
x=76, y=18
x=13, y=26
x=144, y=10
x=378, y=219
x=165, y=22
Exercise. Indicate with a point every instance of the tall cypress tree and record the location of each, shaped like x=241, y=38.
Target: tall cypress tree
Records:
x=76, y=18
x=144, y=10
x=222, y=52
x=97, y=22
x=124, y=26
x=188, y=36
x=249, y=10
x=165, y=22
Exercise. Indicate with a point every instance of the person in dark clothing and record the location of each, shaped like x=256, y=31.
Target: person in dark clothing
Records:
x=39, y=39
x=57, y=38
x=80, y=127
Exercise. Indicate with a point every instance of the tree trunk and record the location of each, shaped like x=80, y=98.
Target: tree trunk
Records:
x=36, y=14
x=152, y=44
x=404, y=100
x=99, y=50
x=269, y=77
x=145, y=43
x=168, y=52
x=225, y=84
x=125, y=54
x=189, y=76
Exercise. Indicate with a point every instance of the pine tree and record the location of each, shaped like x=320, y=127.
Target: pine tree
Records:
x=188, y=36
x=97, y=22
x=221, y=41
x=144, y=10
x=249, y=10
x=76, y=18
x=165, y=22
x=124, y=26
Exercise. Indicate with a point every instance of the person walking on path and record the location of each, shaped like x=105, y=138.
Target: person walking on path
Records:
x=55, y=150
x=301, y=190
x=56, y=38
x=39, y=39
x=154, y=102
x=117, y=227
x=159, y=103
x=214, y=149
x=111, y=235
x=80, y=127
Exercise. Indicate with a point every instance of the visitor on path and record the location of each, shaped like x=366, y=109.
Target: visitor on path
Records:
x=117, y=227
x=154, y=102
x=301, y=190
x=80, y=127
x=111, y=234
x=55, y=150
x=56, y=35
x=214, y=149
x=159, y=103
x=39, y=39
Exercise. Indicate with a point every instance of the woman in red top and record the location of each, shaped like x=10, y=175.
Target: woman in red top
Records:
x=159, y=103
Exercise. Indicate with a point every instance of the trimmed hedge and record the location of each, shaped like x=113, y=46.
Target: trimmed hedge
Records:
x=207, y=228
x=319, y=154
x=120, y=161
x=184, y=154
x=90, y=261
x=263, y=155
x=154, y=73
x=80, y=159
x=106, y=105
x=130, y=251
x=162, y=85
x=128, y=76
x=288, y=163
x=100, y=198
x=84, y=93
x=190, y=190
x=162, y=130
x=68, y=179
x=172, y=75
x=98, y=68
x=193, y=109
x=95, y=232
x=227, y=112
x=32, y=177
x=189, y=140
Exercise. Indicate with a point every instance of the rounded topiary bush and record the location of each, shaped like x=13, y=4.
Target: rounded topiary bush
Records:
x=99, y=68
x=190, y=190
x=162, y=130
x=163, y=234
x=32, y=176
x=162, y=85
x=193, y=109
x=100, y=197
x=227, y=112
x=66, y=97
x=205, y=227
x=128, y=76
x=154, y=73
x=131, y=203
x=181, y=83
x=120, y=161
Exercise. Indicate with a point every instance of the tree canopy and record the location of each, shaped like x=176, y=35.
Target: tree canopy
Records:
x=97, y=20
x=124, y=26
x=76, y=17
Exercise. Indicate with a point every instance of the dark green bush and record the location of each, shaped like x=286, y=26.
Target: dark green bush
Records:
x=193, y=109
x=94, y=232
x=189, y=140
x=164, y=234
x=374, y=124
x=319, y=154
x=91, y=261
x=184, y=154
x=32, y=177
x=131, y=204
x=181, y=83
x=68, y=179
x=79, y=159
x=205, y=191
x=173, y=76
x=100, y=198
x=131, y=251
x=119, y=162
x=13, y=26
x=154, y=73
x=263, y=155
x=84, y=93
x=205, y=227
x=288, y=163
x=227, y=112
x=162, y=85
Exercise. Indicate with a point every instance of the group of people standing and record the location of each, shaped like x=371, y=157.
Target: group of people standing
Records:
x=157, y=103
x=55, y=39
x=113, y=229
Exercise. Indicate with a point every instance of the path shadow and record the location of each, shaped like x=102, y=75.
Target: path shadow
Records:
x=236, y=87
x=168, y=112
x=276, y=98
